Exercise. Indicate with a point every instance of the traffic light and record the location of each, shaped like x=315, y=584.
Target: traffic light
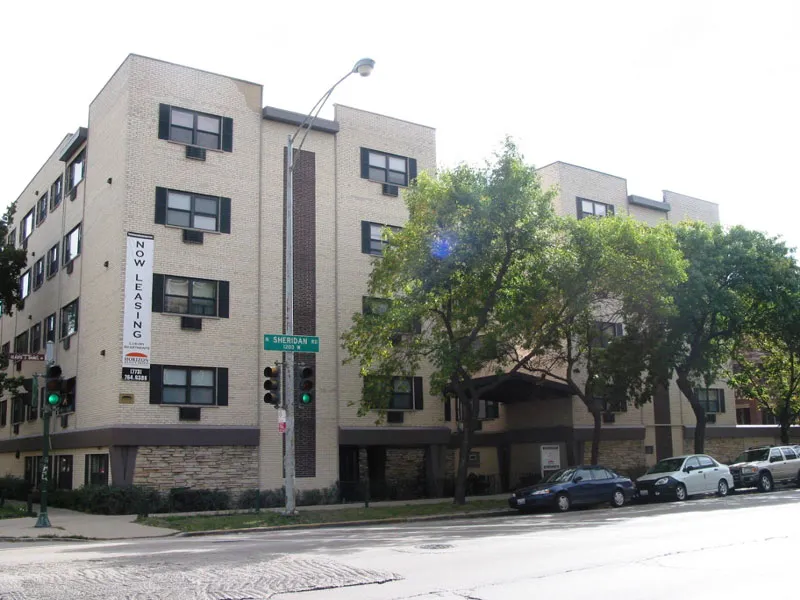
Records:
x=272, y=386
x=306, y=385
x=53, y=385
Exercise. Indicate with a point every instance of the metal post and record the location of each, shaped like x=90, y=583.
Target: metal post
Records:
x=288, y=357
x=44, y=520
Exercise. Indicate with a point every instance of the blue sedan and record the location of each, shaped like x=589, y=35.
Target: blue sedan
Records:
x=575, y=486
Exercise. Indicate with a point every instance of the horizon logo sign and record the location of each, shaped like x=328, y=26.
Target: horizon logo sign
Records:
x=138, y=308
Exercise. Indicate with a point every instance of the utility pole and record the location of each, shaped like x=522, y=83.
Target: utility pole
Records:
x=288, y=357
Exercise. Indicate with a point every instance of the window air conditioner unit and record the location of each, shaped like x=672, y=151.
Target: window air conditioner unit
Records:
x=390, y=190
x=711, y=418
x=192, y=237
x=195, y=153
x=609, y=417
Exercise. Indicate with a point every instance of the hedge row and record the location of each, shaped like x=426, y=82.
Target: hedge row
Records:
x=116, y=500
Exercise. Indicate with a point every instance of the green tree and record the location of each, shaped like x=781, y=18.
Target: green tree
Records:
x=472, y=236
x=609, y=286
x=731, y=277
x=12, y=261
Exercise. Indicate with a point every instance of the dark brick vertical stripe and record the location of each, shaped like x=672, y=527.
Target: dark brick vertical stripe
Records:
x=663, y=421
x=305, y=303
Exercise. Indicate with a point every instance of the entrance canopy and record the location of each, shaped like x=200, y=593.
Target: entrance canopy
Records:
x=518, y=387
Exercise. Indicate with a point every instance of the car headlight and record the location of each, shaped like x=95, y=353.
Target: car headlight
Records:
x=542, y=492
x=513, y=495
x=749, y=469
x=662, y=481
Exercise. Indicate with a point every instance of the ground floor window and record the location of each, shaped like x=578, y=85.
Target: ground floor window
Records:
x=96, y=472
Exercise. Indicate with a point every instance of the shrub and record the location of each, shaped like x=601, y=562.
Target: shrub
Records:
x=267, y=499
x=14, y=488
x=191, y=500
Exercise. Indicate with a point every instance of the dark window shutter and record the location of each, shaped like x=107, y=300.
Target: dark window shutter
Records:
x=412, y=170
x=610, y=209
x=418, y=393
x=578, y=207
x=224, y=293
x=224, y=215
x=85, y=469
x=155, y=383
x=222, y=387
x=163, y=121
x=365, y=163
x=448, y=415
x=365, y=236
x=227, y=134
x=722, y=401
x=158, y=293
x=161, y=205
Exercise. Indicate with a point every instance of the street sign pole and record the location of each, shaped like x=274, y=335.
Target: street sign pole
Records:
x=288, y=357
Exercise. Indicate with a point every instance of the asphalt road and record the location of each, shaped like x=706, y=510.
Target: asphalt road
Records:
x=653, y=551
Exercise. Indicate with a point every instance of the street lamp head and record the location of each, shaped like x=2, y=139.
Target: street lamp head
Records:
x=364, y=67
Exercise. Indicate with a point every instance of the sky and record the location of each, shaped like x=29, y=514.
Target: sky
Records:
x=698, y=97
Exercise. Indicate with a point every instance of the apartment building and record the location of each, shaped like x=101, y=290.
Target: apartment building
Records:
x=155, y=243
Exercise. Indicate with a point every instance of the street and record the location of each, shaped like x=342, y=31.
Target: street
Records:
x=745, y=543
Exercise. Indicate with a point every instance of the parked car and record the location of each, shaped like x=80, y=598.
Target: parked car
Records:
x=584, y=485
x=683, y=476
x=766, y=466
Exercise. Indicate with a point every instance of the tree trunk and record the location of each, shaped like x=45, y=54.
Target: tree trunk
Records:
x=686, y=389
x=785, y=424
x=598, y=425
x=460, y=496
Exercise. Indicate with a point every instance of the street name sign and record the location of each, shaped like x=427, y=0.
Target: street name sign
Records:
x=291, y=343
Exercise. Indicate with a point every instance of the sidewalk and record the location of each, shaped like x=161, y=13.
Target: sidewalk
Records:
x=70, y=524
x=76, y=525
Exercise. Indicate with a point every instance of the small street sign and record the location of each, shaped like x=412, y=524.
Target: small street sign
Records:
x=291, y=343
x=18, y=356
x=281, y=427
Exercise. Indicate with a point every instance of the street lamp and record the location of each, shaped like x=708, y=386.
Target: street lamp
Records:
x=363, y=67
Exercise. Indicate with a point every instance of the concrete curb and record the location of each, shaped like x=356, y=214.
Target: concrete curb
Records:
x=300, y=526
x=57, y=538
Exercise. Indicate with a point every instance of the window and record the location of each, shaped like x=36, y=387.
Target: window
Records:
x=69, y=319
x=11, y=240
x=584, y=474
x=190, y=296
x=590, y=208
x=374, y=306
x=41, y=208
x=387, y=168
x=614, y=405
x=26, y=228
x=194, y=128
x=96, y=469
x=6, y=349
x=712, y=400
x=601, y=474
x=52, y=261
x=474, y=459
x=705, y=461
x=186, y=385
x=789, y=454
x=38, y=274
x=25, y=285
x=50, y=328
x=72, y=244
x=56, y=192
x=372, y=238
x=33, y=470
x=192, y=210
x=605, y=333
x=3, y=413
x=692, y=462
x=31, y=407
x=487, y=410
x=75, y=170
x=775, y=455
x=400, y=393
x=36, y=338
x=743, y=416
x=402, y=397
x=63, y=472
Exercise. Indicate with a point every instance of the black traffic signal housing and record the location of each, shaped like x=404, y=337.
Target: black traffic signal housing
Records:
x=306, y=385
x=54, y=384
x=272, y=386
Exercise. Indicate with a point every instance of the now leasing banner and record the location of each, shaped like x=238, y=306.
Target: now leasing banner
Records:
x=138, y=304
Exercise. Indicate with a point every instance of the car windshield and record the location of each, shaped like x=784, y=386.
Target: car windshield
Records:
x=753, y=455
x=561, y=476
x=668, y=465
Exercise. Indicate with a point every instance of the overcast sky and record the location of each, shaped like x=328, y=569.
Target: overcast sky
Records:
x=701, y=98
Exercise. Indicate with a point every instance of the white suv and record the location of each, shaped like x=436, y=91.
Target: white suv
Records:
x=683, y=476
x=764, y=467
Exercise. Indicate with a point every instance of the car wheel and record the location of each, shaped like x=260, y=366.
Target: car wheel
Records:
x=798, y=479
x=764, y=482
x=680, y=492
x=562, y=503
x=722, y=488
x=618, y=499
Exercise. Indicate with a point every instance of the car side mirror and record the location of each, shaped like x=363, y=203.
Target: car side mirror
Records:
x=688, y=469
x=775, y=459
x=577, y=479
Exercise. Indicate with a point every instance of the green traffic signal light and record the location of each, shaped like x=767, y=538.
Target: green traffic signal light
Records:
x=306, y=398
x=53, y=399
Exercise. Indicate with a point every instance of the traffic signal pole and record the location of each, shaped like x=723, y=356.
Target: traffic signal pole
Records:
x=44, y=520
x=288, y=357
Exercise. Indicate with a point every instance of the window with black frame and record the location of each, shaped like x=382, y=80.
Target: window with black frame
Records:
x=711, y=399
x=69, y=319
x=56, y=192
x=188, y=385
x=193, y=211
x=96, y=469
x=188, y=296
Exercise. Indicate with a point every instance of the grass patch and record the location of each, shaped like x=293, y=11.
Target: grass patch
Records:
x=270, y=519
x=12, y=512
